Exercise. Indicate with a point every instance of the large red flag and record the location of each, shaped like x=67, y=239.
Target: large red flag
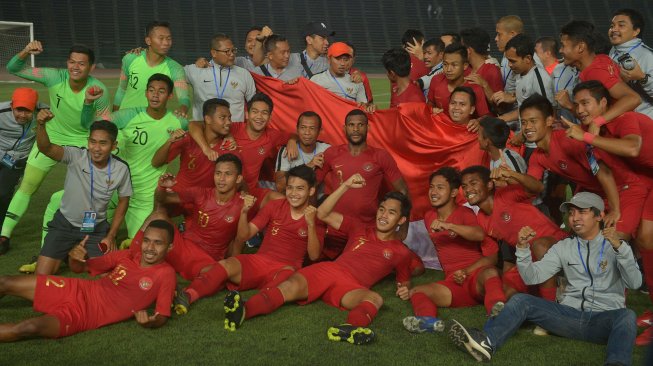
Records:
x=419, y=142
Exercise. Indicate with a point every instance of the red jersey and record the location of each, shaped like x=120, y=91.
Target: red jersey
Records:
x=373, y=164
x=603, y=69
x=439, y=94
x=285, y=238
x=633, y=123
x=254, y=152
x=549, y=69
x=412, y=93
x=211, y=226
x=195, y=169
x=417, y=68
x=492, y=74
x=369, y=259
x=366, y=84
x=568, y=158
x=513, y=210
x=455, y=252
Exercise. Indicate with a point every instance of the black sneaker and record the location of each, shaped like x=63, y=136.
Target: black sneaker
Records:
x=234, y=311
x=181, y=302
x=4, y=245
x=472, y=341
x=351, y=334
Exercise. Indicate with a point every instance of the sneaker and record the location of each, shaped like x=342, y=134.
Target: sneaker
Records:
x=472, y=341
x=4, y=245
x=645, y=320
x=645, y=338
x=421, y=324
x=181, y=302
x=28, y=268
x=644, y=288
x=351, y=334
x=497, y=308
x=234, y=311
x=539, y=331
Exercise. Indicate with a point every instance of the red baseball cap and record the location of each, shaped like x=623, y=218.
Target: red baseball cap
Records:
x=25, y=98
x=338, y=49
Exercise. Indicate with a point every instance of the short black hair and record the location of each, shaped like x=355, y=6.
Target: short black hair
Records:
x=231, y=158
x=549, y=44
x=581, y=31
x=457, y=48
x=217, y=38
x=477, y=39
x=304, y=173
x=153, y=24
x=310, y=114
x=209, y=107
x=260, y=97
x=450, y=174
x=495, y=130
x=522, y=44
x=353, y=48
x=254, y=28
x=409, y=34
x=104, y=125
x=355, y=112
x=161, y=77
x=434, y=42
x=596, y=89
x=398, y=61
x=455, y=37
x=80, y=48
x=406, y=205
x=482, y=171
x=271, y=42
x=165, y=225
x=467, y=90
x=635, y=17
x=538, y=102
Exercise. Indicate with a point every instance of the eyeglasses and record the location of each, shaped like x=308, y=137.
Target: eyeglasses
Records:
x=231, y=51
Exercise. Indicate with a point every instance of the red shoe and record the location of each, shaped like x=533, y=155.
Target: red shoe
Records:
x=645, y=320
x=645, y=338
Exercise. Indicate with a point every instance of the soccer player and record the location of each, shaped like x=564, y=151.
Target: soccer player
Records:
x=336, y=78
x=93, y=176
x=454, y=64
x=598, y=266
x=221, y=79
x=67, y=88
x=625, y=34
x=278, y=66
x=409, y=40
x=343, y=161
x=138, y=67
x=493, y=135
x=311, y=151
x=397, y=67
x=72, y=305
x=468, y=259
x=503, y=211
x=16, y=139
x=372, y=253
x=449, y=38
x=432, y=55
x=484, y=72
x=578, y=46
x=546, y=49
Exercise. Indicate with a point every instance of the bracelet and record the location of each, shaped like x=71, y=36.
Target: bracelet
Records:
x=599, y=121
x=588, y=138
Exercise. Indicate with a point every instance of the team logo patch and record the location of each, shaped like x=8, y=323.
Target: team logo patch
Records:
x=603, y=265
x=506, y=216
x=562, y=164
x=368, y=167
x=145, y=283
x=229, y=219
x=523, y=90
x=261, y=150
x=234, y=84
x=387, y=253
x=302, y=232
x=350, y=90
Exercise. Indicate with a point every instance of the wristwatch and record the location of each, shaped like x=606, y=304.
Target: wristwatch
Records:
x=644, y=80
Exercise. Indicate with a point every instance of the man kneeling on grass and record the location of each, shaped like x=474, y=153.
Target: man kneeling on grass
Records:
x=372, y=252
x=73, y=305
x=598, y=267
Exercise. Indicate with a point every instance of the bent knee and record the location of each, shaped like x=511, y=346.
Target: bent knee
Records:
x=375, y=299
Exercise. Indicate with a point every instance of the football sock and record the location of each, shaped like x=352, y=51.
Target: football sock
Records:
x=362, y=315
x=264, y=302
x=32, y=179
x=50, y=210
x=207, y=283
x=548, y=293
x=422, y=305
x=493, y=292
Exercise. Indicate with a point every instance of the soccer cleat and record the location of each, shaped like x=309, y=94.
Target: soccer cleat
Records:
x=28, y=268
x=4, y=245
x=421, y=324
x=351, y=334
x=472, y=341
x=539, y=331
x=497, y=308
x=181, y=302
x=645, y=320
x=234, y=311
x=645, y=338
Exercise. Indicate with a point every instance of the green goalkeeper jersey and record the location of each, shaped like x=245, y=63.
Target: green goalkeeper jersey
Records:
x=134, y=75
x=68, y=127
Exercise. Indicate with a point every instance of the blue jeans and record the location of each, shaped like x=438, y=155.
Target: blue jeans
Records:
x=617, y=328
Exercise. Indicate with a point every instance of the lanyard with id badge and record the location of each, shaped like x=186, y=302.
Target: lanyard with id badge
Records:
x=8, y=159
x=90, y=216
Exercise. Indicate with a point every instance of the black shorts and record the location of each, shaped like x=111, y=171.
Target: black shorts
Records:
x=62, y=236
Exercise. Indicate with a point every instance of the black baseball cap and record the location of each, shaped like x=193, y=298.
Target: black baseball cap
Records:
x=318, y=28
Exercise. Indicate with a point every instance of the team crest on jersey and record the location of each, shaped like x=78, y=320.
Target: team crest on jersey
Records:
x=523, y=90
x=145, y=283
x=302, y=232
x=229, y=219
x=368, y=167
x=234, y=84
x=562, y=164
x=506, y=216
x=350, y=90
x=387, y=253
x=603, y=265
x=261, y=150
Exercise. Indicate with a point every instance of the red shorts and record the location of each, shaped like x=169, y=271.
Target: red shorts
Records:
x=630, y=202
x=647, y=213
x=256, y=271
x=328, y=281
x=465, y=294
x=512, y=278
x=188, y=259
x=64, y=299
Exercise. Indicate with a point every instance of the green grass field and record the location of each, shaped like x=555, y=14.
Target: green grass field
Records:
x=293, y=335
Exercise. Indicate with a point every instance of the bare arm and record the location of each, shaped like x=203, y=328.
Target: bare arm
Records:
x=150, y=321
x=325, y=211
x=606, y=179
x=626, y=99
x=246, y=229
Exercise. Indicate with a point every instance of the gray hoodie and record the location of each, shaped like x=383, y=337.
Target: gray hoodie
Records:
x=601, y=289
x=644, y=57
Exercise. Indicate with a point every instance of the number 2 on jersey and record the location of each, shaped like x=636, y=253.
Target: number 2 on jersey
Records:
x=140, y=137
